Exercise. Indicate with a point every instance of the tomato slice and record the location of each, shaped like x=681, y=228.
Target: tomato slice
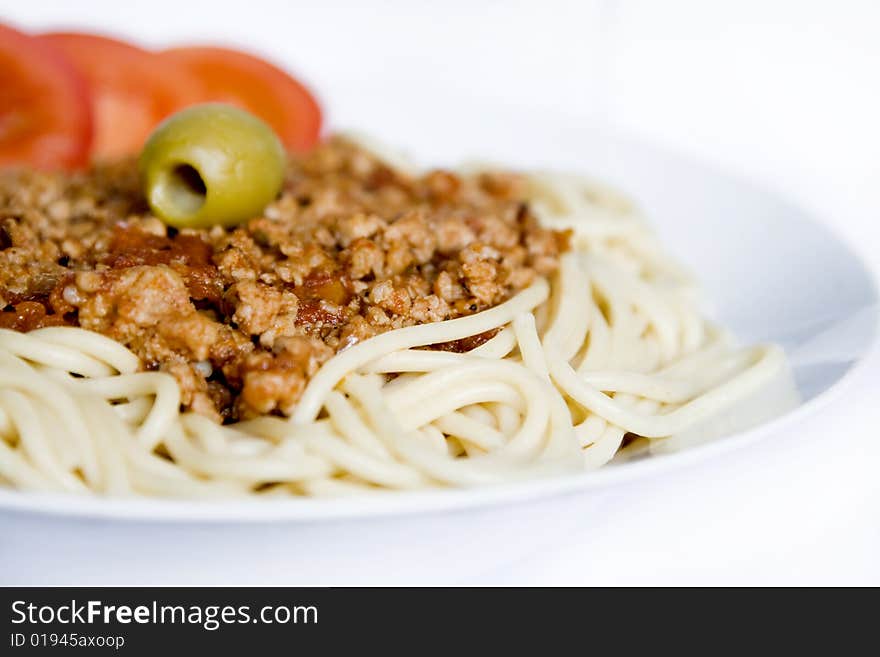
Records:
x=45, y=120
x=257, y=86
x=132, y=89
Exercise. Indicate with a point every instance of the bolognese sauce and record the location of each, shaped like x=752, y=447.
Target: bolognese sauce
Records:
x=244, y=316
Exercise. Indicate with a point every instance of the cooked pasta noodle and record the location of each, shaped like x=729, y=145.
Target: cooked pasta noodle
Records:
x=609, y=358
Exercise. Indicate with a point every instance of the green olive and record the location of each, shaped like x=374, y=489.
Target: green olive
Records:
x=211, y=164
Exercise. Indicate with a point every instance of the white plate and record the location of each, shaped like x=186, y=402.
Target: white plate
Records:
x=770, y=271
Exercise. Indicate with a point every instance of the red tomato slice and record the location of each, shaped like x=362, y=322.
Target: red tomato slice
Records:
x=132, y=89
x=45, y=120
x=257, y=86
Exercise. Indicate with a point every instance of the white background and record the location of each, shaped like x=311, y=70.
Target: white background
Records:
x=781, y=91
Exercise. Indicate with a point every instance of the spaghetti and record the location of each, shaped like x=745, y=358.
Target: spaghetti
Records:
x=609, y=358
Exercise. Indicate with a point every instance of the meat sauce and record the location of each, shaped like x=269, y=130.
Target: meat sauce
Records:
x=243, y=317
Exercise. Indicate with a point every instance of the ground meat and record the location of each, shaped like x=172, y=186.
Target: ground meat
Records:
x=466, y=344
x=244, y=316
x=27, y=316
x=262, y=310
